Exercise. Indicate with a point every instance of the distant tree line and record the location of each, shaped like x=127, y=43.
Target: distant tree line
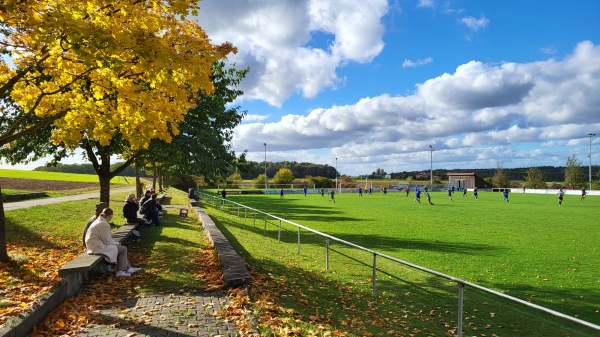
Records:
x=550, y=173
x=251, y=170
x=88, y=168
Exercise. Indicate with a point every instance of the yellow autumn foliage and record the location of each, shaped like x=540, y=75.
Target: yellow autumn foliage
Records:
x=106, y=66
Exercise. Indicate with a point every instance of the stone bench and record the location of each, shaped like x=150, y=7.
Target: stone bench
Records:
x=235, y=272
x=77, y=271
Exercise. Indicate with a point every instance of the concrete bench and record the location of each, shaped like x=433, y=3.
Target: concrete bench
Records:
x=77, y=271
x=235, y=272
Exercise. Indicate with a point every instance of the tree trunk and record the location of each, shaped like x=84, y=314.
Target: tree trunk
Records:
x=138, y=183
x=3, y=253
x=160, y=180
x=104, y=175
x=154, y=175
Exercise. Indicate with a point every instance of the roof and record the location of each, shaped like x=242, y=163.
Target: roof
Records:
x=462, y=174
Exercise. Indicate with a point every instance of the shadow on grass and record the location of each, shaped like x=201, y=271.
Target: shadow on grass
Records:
x=165, y=251
x=289, y=234
x=408, y=300
x=295, y=210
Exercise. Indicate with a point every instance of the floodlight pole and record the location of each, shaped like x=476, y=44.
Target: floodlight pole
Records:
x=265, y=144
x=590, y=173
x=336, y=185
x=431, y=166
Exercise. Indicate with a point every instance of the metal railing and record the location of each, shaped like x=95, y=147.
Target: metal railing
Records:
x=231, y=205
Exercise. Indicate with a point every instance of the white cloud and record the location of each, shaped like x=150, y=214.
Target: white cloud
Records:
x=417, y=63
x=426, y=3
x=254, y=118
x=277, y=40
x=475, y=24
x=478, y=113
x=548, y=50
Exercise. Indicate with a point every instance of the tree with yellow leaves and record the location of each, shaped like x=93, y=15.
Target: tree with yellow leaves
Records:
x=99, y=68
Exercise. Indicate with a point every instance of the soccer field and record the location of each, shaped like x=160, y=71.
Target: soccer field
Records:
x=530, y=248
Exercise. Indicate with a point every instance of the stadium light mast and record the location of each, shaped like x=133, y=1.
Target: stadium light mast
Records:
x=265, y=144
x=431, y=166
x=336, y=185
x=591, y=135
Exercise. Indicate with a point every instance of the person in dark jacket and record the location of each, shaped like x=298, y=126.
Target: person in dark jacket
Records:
x=152, y=210
x=192, y=194
x=145, y=198
x=130, y=212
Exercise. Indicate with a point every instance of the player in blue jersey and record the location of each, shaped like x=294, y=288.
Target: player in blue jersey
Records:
x=505, y=193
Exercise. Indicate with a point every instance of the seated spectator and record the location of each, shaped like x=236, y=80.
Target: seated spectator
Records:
x=192, y=194
x=130, y=212
x=99, y=207
x=152, y=210
x=145, y=198
x=99, y=241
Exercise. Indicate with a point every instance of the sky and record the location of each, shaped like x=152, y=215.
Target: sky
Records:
x=375, y=83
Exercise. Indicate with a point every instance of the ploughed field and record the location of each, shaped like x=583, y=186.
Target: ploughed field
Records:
x=44, y=185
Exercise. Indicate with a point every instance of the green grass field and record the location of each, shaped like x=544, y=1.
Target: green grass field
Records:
x=41, y=175
x=531, y=249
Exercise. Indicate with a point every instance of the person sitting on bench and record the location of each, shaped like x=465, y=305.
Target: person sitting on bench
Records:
x=99, y=241
x=130, y=212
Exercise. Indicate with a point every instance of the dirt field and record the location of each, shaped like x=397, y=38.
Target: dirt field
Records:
x=44, y=185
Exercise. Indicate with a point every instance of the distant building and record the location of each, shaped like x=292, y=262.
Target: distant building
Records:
x=466, y=180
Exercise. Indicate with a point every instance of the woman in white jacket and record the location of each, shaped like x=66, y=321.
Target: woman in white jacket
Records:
x=99, y=241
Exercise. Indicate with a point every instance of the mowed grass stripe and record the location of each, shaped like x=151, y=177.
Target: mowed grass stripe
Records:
x=42, y=175
x=531, y=248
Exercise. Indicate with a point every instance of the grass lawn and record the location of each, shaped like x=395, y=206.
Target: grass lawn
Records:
x=42, y=175
x=531, y=249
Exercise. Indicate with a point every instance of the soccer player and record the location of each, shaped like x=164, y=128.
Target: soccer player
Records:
x=583, y=193
x=475, y=193
x=561, y=193
x=305, y=189
x=281, y=193
x=322, y=192
x=505, y=194
x=465, y=193
x=418, y=195
x=428, y=196
x=449, y=192
x=360, y=192
x=407, y=190
x=332, y=196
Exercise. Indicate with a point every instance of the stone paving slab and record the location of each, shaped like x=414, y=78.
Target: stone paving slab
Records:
x=165, y=315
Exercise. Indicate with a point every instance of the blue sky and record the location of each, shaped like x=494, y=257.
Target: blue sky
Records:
x=373, y=83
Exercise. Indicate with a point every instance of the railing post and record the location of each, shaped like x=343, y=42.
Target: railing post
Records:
x=265, y=229
x=374, y=275
x=254, y=219
x=245, y=214
x=238, y=211
x=298, y=240
x=279, y=232
x=460, y=308
x=327, y=254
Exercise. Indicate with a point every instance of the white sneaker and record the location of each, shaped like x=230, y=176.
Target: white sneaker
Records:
x=122, y=273
x=136, y=233
x=132, y=270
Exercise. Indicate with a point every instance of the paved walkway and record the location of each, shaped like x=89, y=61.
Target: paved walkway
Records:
x=164, y=315
x=161, y=314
